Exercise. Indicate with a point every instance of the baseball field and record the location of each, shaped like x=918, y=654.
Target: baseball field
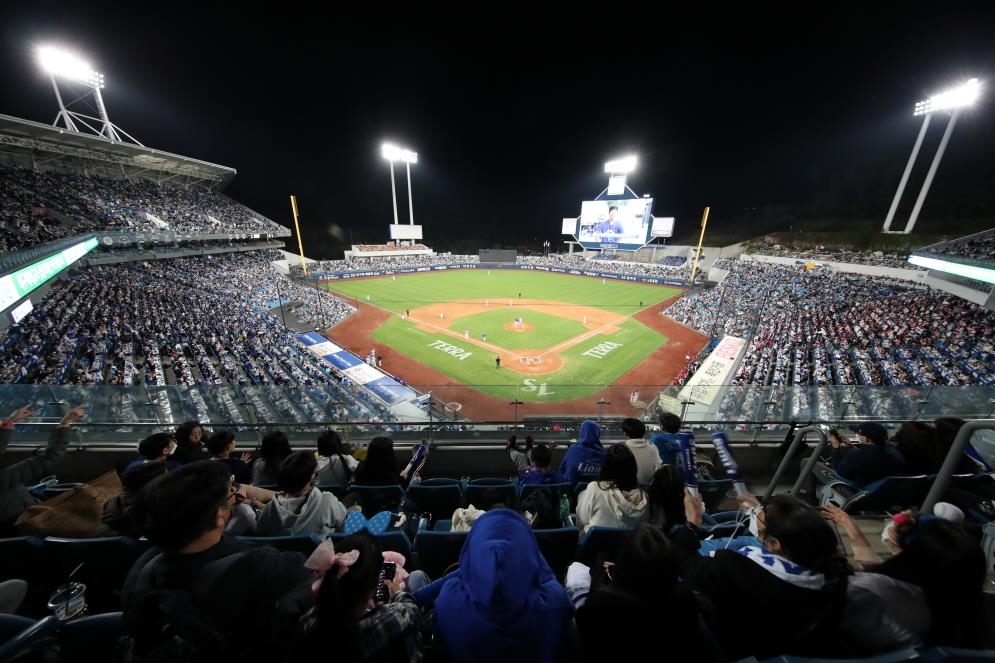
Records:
x=522, y=335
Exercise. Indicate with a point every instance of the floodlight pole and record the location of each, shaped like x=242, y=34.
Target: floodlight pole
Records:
x=905, y=175
x=932, y=171
x=393, y=190
x=411, y=206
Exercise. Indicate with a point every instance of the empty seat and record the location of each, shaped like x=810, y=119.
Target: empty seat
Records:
x=485, y=493
x=436, y=551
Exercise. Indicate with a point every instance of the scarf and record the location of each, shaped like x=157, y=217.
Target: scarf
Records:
x=784, y=569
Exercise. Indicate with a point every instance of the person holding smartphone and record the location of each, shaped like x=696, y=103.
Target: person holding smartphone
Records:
x=360, y=607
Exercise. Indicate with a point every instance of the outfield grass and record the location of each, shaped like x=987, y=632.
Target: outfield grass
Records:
x=414, y=290
x=580, y=376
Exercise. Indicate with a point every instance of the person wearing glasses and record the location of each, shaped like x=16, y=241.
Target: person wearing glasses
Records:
x=796, y=581
x=245, y=592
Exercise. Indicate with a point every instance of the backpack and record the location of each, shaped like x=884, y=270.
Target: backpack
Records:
x=544, y=504
x=171, y=624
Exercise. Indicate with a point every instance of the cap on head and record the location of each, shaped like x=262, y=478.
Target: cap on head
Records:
x=872, y=430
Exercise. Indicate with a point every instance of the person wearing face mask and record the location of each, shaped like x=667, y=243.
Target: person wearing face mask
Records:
x=796, y=579
x=929, y=593
x=242, y=590
x=300, y=507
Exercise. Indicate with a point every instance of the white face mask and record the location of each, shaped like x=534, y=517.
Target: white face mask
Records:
x=754, y=523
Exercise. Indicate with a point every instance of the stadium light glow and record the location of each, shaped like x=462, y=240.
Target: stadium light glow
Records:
x=957, y=97
x=64, y=64
x=623, y=165
x=393, y=153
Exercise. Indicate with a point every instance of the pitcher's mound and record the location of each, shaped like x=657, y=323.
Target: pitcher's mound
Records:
x=510, y=326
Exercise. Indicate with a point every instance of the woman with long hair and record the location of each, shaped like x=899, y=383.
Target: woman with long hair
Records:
x=349, y=618
x=273, y=449
x=615, y=499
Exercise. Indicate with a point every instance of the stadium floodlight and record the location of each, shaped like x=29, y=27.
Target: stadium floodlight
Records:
x=957, y=97
x=623, y=165
x=394, y=153
x=61, y=64
x=953, y=99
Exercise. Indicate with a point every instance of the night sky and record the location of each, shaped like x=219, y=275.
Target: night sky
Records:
x=776, y=122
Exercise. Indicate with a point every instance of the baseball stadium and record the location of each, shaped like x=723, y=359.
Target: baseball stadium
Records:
x=786, y=412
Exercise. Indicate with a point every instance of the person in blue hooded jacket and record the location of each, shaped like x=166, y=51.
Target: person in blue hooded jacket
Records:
x=583, y=459
x=504, y=603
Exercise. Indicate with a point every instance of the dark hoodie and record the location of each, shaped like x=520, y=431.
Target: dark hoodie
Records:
x=504, y=604
x=583, y=459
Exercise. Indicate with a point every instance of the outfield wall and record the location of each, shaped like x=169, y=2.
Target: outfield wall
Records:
x=372, y=273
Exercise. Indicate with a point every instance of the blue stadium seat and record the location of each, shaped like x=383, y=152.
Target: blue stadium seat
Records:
x=956, y=655
x=559, y=548
x=436, y=551
x=27, y=558
x=887, y=495
x=438, y=500
x=11, y=625
x=338, y=491
x=106, y=562
x=485, y=493
x=93, y=637
x=38, y=636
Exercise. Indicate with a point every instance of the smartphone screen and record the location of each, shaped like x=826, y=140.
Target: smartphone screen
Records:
x=386, y=571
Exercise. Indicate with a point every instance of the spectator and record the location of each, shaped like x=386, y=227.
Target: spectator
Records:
x=667, y=442
x=189, y=443
x=641, y=583
x=646, y=454
x=14, y=495
x=872, y=459
x=503, y=603
x=335, y=465
x=582, y=461
x=300, y=507
x=253, y=593
x=155, y=448
x=615, y=499
x=116, y=513
x=797, y=580
x=916, y=442
x=272, y=450
x=221, y=445
x=929, y=593
x=522, y=460
x=542, y=472
x=347, y=614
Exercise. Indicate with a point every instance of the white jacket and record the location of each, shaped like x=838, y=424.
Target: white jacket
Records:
x=604, y=505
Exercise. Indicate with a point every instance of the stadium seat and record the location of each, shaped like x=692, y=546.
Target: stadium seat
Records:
x=395, y=540
x=599, y=544
x=561, y=489
x=485, y=493
x=559, y=548
x=436, y=551
x=374, y=499
x=437, y=500
x=93, y=637
x=338, y=491
x=303, y=543
x=890, y=494
x=39, y=635
x=11, y=625
x=27, y=558
x=105, y=564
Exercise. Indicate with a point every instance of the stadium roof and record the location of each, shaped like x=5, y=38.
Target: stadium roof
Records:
x=107, y=157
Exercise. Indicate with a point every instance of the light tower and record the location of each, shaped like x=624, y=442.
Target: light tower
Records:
x=393, y=153
x=953, y=99
x=61, y=65
x=617, y=170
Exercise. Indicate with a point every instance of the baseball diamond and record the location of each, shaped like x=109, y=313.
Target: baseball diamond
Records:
x=568, y=341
